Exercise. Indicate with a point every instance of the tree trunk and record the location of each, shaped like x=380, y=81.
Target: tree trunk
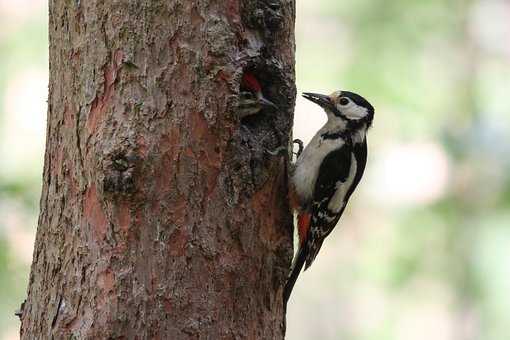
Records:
x=162, y=214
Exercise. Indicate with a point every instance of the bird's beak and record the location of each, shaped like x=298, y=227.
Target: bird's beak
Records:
x=319, y=99
x=264, y=102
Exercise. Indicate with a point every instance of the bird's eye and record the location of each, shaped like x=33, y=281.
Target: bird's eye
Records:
x=343, y=101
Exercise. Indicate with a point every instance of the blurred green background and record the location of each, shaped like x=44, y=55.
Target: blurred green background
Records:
x=423, y=251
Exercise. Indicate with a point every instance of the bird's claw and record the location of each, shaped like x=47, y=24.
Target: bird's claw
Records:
x=299, y=142
x=282, y=150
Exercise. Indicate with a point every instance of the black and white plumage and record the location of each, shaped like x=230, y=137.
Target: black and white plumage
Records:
x=327, y=172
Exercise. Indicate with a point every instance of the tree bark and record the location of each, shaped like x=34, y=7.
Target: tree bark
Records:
x=162, y=214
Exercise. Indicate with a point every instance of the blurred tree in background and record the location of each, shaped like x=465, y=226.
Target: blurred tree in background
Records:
x=422, y=252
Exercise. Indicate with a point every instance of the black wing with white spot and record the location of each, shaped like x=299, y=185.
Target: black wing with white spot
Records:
x=333, y=172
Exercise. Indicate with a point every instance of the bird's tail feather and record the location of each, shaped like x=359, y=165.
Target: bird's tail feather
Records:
x=299, y=261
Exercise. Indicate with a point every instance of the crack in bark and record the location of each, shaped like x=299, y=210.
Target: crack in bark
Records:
x=57, y=312
x=78, y=141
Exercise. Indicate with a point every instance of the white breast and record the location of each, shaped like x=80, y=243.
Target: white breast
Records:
x=308, y=165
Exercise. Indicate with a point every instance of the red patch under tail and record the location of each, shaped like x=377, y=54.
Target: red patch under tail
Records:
x=304, y=220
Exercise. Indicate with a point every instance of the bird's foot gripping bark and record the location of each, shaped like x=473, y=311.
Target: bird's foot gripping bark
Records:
x=282, y=150
x=299, y=142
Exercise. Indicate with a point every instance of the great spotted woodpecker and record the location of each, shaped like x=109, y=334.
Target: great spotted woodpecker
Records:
x=252, y=100
x=327, y=172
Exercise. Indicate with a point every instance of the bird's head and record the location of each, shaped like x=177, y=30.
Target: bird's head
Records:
x=344, y=108
x=252, y=100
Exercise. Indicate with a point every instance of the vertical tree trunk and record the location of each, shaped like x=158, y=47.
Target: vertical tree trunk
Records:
x=162, y=216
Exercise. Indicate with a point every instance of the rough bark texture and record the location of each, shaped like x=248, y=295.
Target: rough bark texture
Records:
x=162, y=217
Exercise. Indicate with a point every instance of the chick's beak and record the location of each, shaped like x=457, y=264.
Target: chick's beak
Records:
x=264, y=102
x=319, y=99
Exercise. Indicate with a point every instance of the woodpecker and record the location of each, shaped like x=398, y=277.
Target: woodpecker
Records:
x=252, y=100
x=327, y=172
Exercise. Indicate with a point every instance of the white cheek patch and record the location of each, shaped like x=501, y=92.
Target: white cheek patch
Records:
x=357, y=112
x=353, y=111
